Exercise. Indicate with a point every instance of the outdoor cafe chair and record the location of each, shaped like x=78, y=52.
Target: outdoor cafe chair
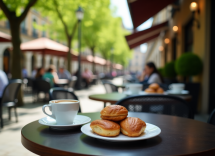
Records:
x=211, y=119
x=40, y=85
x=9, y=99
x=109, y=87
x=61, y=93
x=161, y=104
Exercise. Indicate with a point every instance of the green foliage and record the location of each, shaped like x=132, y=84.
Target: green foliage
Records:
x=161, y=71
x=169, y=70
x=188, y=64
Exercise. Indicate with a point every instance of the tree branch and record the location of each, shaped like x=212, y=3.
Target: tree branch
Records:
x=61, y=18
x=5, y=9
x=27, y=8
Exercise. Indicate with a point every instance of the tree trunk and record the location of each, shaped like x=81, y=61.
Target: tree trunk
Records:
x=16, y=56
x=69, y=55
x=93, y=63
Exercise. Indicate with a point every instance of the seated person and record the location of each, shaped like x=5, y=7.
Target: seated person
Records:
x=39, y=74
x=64, y=74
x=3, y=82
x=150, y=74
x=87, y=75
x=51, y=75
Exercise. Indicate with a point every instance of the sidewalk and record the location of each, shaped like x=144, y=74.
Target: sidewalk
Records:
x=10, y=135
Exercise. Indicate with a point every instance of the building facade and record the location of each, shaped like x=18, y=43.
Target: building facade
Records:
x=187, y=32
x=136, y=64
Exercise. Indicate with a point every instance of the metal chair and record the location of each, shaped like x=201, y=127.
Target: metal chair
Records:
x=9, y=98
x=61, y=93
x=72, y=82
x=211, y=119
x=40, y=85
x=109, y=87
x=161, y=104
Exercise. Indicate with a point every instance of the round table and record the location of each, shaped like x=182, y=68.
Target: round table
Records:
x=115, y=97
x=179, y=136
x=62, y=82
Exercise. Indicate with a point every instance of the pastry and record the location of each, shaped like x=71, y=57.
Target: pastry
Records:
x=160, y=90
x=114, y=113
x=154, y=86
x=105, y=128
x=150, y=90
x=132, y=126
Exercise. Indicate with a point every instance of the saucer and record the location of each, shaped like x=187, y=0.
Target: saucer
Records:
x=183, y=92
x=78, y=121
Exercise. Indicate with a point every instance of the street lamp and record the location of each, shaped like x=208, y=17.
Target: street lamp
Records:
x=79, y=15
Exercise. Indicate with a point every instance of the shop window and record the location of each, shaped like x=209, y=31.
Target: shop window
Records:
x=174, y=48
x=188, y=34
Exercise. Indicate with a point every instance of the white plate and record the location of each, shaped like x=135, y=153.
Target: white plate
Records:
x=150, y=132
x=128, y=93
x=183, y=92
x=78, y=121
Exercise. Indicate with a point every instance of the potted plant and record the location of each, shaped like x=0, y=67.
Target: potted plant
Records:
x=161, y=71
x=188, y=65
x=169, y=70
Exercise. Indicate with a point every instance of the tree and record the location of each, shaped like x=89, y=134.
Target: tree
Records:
x=62, y=17
x=11, y=9
x=112, y=36
x=96, y=17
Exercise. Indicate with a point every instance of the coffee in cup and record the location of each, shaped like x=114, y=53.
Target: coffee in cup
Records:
x=176, y=88
x=135, y=88
x=63, y=111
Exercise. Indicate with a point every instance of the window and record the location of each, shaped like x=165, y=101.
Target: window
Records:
x=188, y=34
x=34, y=31
x=43, y=32
x=23, y=27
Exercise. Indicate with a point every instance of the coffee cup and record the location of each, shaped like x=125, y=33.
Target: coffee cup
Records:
x=63, y=111
x=135, y=88
x=176, y=87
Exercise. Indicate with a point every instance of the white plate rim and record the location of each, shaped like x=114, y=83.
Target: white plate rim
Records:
x=119, y=140
x=182, y=92
x=143, y=93
x=73, y=125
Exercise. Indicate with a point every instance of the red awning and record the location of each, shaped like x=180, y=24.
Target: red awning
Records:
x=45, y=46
x=5, y=37
x=144, y=36
x=142, y=10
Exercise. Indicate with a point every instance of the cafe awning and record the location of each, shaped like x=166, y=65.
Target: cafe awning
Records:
x=45, y=46
x=144, y=36
x=142, y=10
x=5, y=37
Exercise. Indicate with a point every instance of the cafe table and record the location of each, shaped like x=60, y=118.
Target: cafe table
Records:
x=116, y=96
x=179, y=136
x=62, y=82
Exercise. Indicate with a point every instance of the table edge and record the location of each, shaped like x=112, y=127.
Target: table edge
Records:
x=42, y=150
x=111, y=101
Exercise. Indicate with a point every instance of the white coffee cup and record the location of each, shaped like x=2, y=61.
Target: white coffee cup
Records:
x=135, y=88
x=176, y=87
x=63, y=110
